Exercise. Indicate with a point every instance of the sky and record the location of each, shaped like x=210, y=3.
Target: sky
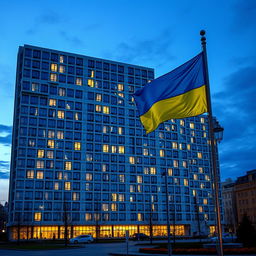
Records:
x=159, y=34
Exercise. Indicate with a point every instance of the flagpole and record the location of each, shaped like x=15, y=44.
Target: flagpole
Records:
x=213, y=151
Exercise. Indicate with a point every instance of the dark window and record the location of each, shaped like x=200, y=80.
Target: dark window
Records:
x=36, y=54
x=28, y=52
x=54, y=57
x=71, y=60
x=79, y=61
x=46, y=55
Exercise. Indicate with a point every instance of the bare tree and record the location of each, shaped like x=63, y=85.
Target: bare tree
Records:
x=67, y=221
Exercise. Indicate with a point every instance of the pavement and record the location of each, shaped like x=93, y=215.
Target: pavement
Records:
x=101, y=249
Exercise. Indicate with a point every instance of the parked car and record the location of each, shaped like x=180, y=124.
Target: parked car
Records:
x=226, y=238
x=81, y=239
x=140, y=236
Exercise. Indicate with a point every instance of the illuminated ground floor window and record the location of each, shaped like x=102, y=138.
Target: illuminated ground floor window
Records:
x=100, y=231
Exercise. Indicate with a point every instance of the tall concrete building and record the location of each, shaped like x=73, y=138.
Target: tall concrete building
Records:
x=80, y=151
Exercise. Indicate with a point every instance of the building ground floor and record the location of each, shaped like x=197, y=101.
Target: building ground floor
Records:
x=101, y=231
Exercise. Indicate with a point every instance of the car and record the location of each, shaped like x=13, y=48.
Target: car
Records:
x=81, y=239
x=226, y=238
x=140, y=236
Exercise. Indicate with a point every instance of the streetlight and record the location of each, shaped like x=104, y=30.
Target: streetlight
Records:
x=218, y=131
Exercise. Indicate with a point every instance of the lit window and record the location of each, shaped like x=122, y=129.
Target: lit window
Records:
x=105, y=207
x=53, y=77
x=54, y=67
x=62, y=92
x=88, y=176
x=98, y=108
x=79, y=81
x=131, y=160
x=114, y=197
x=200, y=169
x=35, y=87
x=113, y=207
x=67, y=185
x=52, y=102
x=40, y=153
x=175, y=145
x=105, y=129
x=105, y=148
x=77, y=145
x=188, y=147
x=39, y=164
x=195, y=176
x=91, y=73
x=139, y=179
x=51, y=134
x=61, y=114
x=161, y=152
x=202, y=120
x=120, y=87
x=139, y=217
x=200, y=208
x=61, y=59
x=50, y=144
x=76, y=116
x=56, y=186
x=90, y=82
x=153, y=170
x=60, y=135
x=170, y=171
x=185, y=164
x=207, y=177
x=59, y=175
x=203, y=127
x=75, y=196
x=37, y=216
x=39, y=175
x=185, y=182
x=121, y=149
x=68, y=166
x=98, y=97
x=146, y=170
x=121, y=178
x=145, y=151
x=88, y=216
x=105, y=110
x=89, y=157
x=121, y=197
x=192, y=125
x=104, y=167
x=204, y=134
x=182, y=123
x=30, y=174
x=175, y=163
x=120, y=130
x=113, y=149
x=62, y=69
x=205, y=201
x=199, y=154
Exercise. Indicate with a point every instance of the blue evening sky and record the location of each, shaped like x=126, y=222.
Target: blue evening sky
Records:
x=159, y=34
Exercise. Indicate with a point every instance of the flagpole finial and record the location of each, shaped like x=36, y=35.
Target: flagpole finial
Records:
x=203, y=38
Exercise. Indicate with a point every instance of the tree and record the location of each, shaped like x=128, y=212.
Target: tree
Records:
x=246, y=233
x=66, y=220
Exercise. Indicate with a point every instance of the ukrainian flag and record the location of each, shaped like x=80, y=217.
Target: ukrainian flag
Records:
x=178, y=94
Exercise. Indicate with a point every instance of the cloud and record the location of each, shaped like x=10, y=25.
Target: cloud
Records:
x=4, y=169
x=244, y=13
x=47, y=18
x=235, y=107
x=5, y=135
x=73, y=40
x=141, y=51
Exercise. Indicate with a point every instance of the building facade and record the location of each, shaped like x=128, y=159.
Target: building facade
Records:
x=245, y=195
x=80, y=151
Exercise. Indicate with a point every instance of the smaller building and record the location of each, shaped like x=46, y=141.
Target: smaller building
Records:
x=245, y=194
x=229, y=206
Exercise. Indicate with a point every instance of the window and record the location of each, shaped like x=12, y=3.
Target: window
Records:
x=37, y=216
x=67, y=186
x=40, y=153
x=61, y=114
x=105, y=110
x=30, y=174
x=90, y=82
x=79, y=81
x=53, y=77
x=39, y=164
x=52, y=102
x=68, y=166
x=54, y=67
x=77, y=146
x=39, y=175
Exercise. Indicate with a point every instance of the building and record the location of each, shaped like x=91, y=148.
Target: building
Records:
x=79, y=151
x=229, y=206
x=245, y=195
